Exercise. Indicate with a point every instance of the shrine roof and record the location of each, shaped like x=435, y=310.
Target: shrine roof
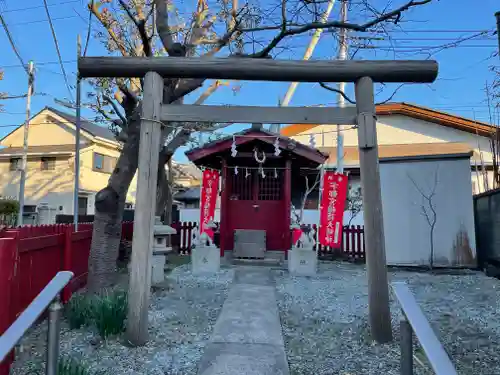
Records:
x=197, y=155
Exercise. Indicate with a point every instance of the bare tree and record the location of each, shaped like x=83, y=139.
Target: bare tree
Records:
x=354, y=203
x=308, y=190
x=428, y=210
x=163, y=27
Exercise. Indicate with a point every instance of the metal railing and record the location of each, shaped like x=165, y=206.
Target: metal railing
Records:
x=414, y=321
x=48, y=297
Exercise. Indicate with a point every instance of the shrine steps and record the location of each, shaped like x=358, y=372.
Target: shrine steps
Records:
x=271, y=259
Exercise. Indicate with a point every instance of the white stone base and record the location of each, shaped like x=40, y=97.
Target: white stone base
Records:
x=158, y=269
x=205, y=259
x=302, y=262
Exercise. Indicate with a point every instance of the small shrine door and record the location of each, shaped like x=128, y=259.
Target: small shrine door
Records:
x=257, y=202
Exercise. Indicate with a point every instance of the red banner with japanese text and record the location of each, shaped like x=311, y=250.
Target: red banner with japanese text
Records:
x=209, y=192
x=331, y=210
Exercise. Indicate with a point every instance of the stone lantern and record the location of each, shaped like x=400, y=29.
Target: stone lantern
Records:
x=160, y=250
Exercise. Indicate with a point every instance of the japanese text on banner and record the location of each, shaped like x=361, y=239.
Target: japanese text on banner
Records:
x=209, y=192
x=332, y=208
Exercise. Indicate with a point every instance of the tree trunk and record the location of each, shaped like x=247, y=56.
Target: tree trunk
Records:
x=163, y=192
x=109, y=206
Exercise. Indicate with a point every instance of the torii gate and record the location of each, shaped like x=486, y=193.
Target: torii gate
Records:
x=362, y=73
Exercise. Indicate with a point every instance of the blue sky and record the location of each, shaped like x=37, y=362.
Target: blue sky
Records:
x=459, y=89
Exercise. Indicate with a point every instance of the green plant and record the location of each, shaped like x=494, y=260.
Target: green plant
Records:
x=65, y=366
x=8, y=206
x=109, y=312
x=79, y=311
x=69, y=366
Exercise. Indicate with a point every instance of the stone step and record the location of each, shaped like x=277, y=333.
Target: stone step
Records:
x=271, y=262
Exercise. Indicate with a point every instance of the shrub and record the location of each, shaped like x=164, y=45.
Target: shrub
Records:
x=109, y=311
x=79, y=311
x=8, y=206
x=69, y=366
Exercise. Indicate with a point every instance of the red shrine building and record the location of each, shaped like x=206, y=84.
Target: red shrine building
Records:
x=262, y=173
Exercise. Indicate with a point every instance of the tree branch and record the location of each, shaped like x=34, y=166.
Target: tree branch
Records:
x=394, y=14
x=329, y=88
x=141, y=27
x=333, y=89
x=116, y=109
x=94, y=9
x=164, y=30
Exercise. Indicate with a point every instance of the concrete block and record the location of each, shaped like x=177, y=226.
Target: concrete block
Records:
x=302, y=262
x=205, y=259
x=158, y=269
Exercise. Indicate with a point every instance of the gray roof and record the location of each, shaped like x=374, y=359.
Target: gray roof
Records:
x=188, y=195
x=94, y=129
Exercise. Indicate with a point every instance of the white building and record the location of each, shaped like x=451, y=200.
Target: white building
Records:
x=407, y=130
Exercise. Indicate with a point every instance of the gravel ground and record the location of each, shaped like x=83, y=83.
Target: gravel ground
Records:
x=325, y=323
x=181, y=321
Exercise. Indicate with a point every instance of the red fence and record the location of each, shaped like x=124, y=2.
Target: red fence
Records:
x=353, y=243
x=31, y=256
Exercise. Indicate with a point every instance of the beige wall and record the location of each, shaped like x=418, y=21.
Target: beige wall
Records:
x=54, y=187
x=93, y=181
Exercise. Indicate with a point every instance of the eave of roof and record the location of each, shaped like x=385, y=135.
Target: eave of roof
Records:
x=38, y=150
x=417, y=112
x=259, y=134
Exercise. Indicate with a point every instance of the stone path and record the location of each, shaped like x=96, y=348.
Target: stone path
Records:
x=247, y=336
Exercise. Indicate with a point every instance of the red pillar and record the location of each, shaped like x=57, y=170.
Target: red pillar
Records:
x=288, y=204
x=8, y=250
x=223, y=209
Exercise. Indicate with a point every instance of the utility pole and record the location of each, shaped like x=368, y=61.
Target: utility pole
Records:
x=307, y=55
x=77, y=140
x=342, y=56
x=310, y=49
x=497, y=15
x=24, y=162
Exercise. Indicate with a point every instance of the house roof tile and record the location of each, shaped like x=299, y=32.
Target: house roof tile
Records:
x=94, y=129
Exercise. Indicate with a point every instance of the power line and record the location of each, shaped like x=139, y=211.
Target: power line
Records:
x=40, y=6
x=40, y=64
x=40, y=21
x=54, y=37
x=12, y=44
x=431, y=31
x=393, y=47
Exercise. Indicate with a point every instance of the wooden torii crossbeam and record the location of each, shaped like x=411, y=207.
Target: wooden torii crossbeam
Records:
x=362, y=73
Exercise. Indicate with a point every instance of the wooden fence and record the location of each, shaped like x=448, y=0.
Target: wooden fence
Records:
x=30, y=256
x=352, y=248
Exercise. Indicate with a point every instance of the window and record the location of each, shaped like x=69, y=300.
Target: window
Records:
x=98, y=161
x=29, y=209
x=48, y=164
x=82, y=205
x=104, y=163
x=15, y=164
